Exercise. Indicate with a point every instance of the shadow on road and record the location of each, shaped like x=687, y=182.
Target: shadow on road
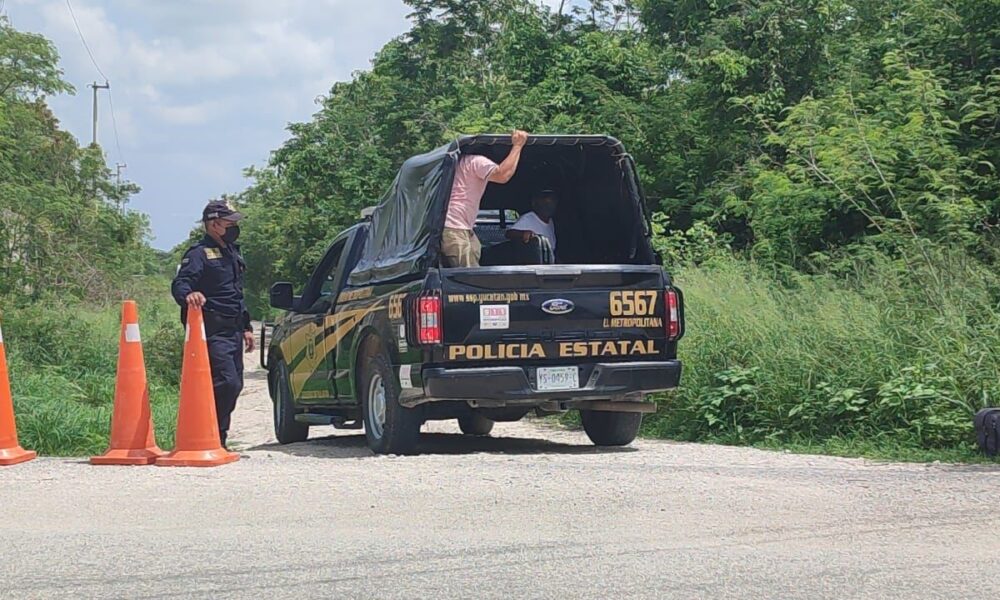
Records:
x=354, y=446
x=255, y=375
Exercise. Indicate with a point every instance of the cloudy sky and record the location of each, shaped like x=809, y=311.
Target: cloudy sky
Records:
x=202, y=88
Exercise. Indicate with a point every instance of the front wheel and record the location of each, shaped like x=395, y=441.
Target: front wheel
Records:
x=286, y=429
x=606, y=428
x=390, y=428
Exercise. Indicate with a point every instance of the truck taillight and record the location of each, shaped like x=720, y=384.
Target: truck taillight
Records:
x=673, y=320
x=429, y=320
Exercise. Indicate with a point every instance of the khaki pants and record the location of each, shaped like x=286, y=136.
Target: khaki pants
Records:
x=460, y=248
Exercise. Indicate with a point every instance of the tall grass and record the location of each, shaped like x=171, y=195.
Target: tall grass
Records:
x=887, y=357
x=62, y=362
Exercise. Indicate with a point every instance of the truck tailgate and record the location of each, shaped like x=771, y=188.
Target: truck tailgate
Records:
x=557, y=313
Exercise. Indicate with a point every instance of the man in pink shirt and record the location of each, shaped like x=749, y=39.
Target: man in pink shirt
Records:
x=459, y=245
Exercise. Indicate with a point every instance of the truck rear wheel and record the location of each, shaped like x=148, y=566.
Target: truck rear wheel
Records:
x=606, y=428
x=286, y=429
x=475, y=424
x=390, y=428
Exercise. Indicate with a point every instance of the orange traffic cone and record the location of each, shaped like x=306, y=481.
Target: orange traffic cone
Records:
x=132, y=437
x=11, y=452
x=198, y=442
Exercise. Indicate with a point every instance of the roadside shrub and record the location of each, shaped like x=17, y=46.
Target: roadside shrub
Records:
x=901, y=353
x=696, y=245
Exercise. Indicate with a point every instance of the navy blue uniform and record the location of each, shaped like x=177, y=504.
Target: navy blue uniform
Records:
x=217, y=273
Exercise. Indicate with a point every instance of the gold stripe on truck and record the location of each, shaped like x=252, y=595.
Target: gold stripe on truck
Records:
x=298, y=340
x=343, y=323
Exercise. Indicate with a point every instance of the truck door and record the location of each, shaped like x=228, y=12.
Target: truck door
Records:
x=335, y=326
x=309, y=369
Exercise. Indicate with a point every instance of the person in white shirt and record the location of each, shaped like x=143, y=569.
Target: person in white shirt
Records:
x=539, y=221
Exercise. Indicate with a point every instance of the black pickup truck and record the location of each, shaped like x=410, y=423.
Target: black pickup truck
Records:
x=384, y=337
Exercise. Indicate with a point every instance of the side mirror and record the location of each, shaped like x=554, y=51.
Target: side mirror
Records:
x=282, y=296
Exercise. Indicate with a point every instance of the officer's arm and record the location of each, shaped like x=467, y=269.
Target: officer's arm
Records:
x=247, y=326
x=192, y=266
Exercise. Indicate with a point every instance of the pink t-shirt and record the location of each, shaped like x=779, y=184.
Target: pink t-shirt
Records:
x=471, y=175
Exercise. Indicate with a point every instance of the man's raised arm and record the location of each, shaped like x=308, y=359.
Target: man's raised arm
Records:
x=504, y=172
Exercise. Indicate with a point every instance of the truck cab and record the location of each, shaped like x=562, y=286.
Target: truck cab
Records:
x=385, y=338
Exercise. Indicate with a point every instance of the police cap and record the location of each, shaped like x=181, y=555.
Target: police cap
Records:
x=220, y=209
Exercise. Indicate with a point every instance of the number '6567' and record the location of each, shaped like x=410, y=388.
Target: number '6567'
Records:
x=633, y=303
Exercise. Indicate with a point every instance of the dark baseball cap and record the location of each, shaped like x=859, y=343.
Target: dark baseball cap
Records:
x=220, y=209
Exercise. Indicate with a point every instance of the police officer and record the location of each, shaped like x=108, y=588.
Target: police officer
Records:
x=211, y=277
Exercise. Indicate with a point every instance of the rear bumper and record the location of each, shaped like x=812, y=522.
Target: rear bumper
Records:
x=623, y=381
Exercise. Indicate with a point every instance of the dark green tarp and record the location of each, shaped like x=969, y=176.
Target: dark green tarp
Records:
x=405, y=232
x=406, y=226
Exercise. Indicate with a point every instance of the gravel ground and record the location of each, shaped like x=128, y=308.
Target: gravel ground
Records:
x=529, y=512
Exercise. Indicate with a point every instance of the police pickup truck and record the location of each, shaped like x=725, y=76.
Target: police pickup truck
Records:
x=383, y=337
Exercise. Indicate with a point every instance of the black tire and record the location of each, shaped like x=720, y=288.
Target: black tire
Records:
x=475, y=424
x=606, y=428
x=286, y=429
x=399, y=430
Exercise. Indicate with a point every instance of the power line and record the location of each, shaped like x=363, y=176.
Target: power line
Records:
x=114, y=126
x=69, y=5
x=111, y=102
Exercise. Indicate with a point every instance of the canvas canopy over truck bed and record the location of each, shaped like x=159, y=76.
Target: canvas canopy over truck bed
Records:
x=601, y=208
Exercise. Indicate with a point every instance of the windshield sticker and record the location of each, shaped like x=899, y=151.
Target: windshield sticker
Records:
x=494, y=316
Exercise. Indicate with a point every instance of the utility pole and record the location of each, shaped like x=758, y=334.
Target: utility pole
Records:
x=118, y=185
x=106, y=86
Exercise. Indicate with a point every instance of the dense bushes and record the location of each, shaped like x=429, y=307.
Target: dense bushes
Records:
x=890, y=354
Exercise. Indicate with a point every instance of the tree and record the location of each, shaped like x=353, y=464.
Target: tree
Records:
x=61, y=229
x=799, y=130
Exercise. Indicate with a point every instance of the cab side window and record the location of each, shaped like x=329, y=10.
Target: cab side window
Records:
x=325, y=281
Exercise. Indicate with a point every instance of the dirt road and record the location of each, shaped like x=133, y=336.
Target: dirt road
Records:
x=530, y=512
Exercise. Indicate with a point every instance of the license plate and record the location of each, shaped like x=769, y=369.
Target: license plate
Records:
x=557, y=378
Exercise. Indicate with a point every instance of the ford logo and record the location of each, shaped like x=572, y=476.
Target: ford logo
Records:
x=558, y=306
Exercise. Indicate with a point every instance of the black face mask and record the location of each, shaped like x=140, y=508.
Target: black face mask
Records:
x=232, y=234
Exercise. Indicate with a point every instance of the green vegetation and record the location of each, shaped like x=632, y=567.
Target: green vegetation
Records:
x=823, y=175
x=68, y=255
x=61, y=228
x=63, y=372
x=871, y=360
